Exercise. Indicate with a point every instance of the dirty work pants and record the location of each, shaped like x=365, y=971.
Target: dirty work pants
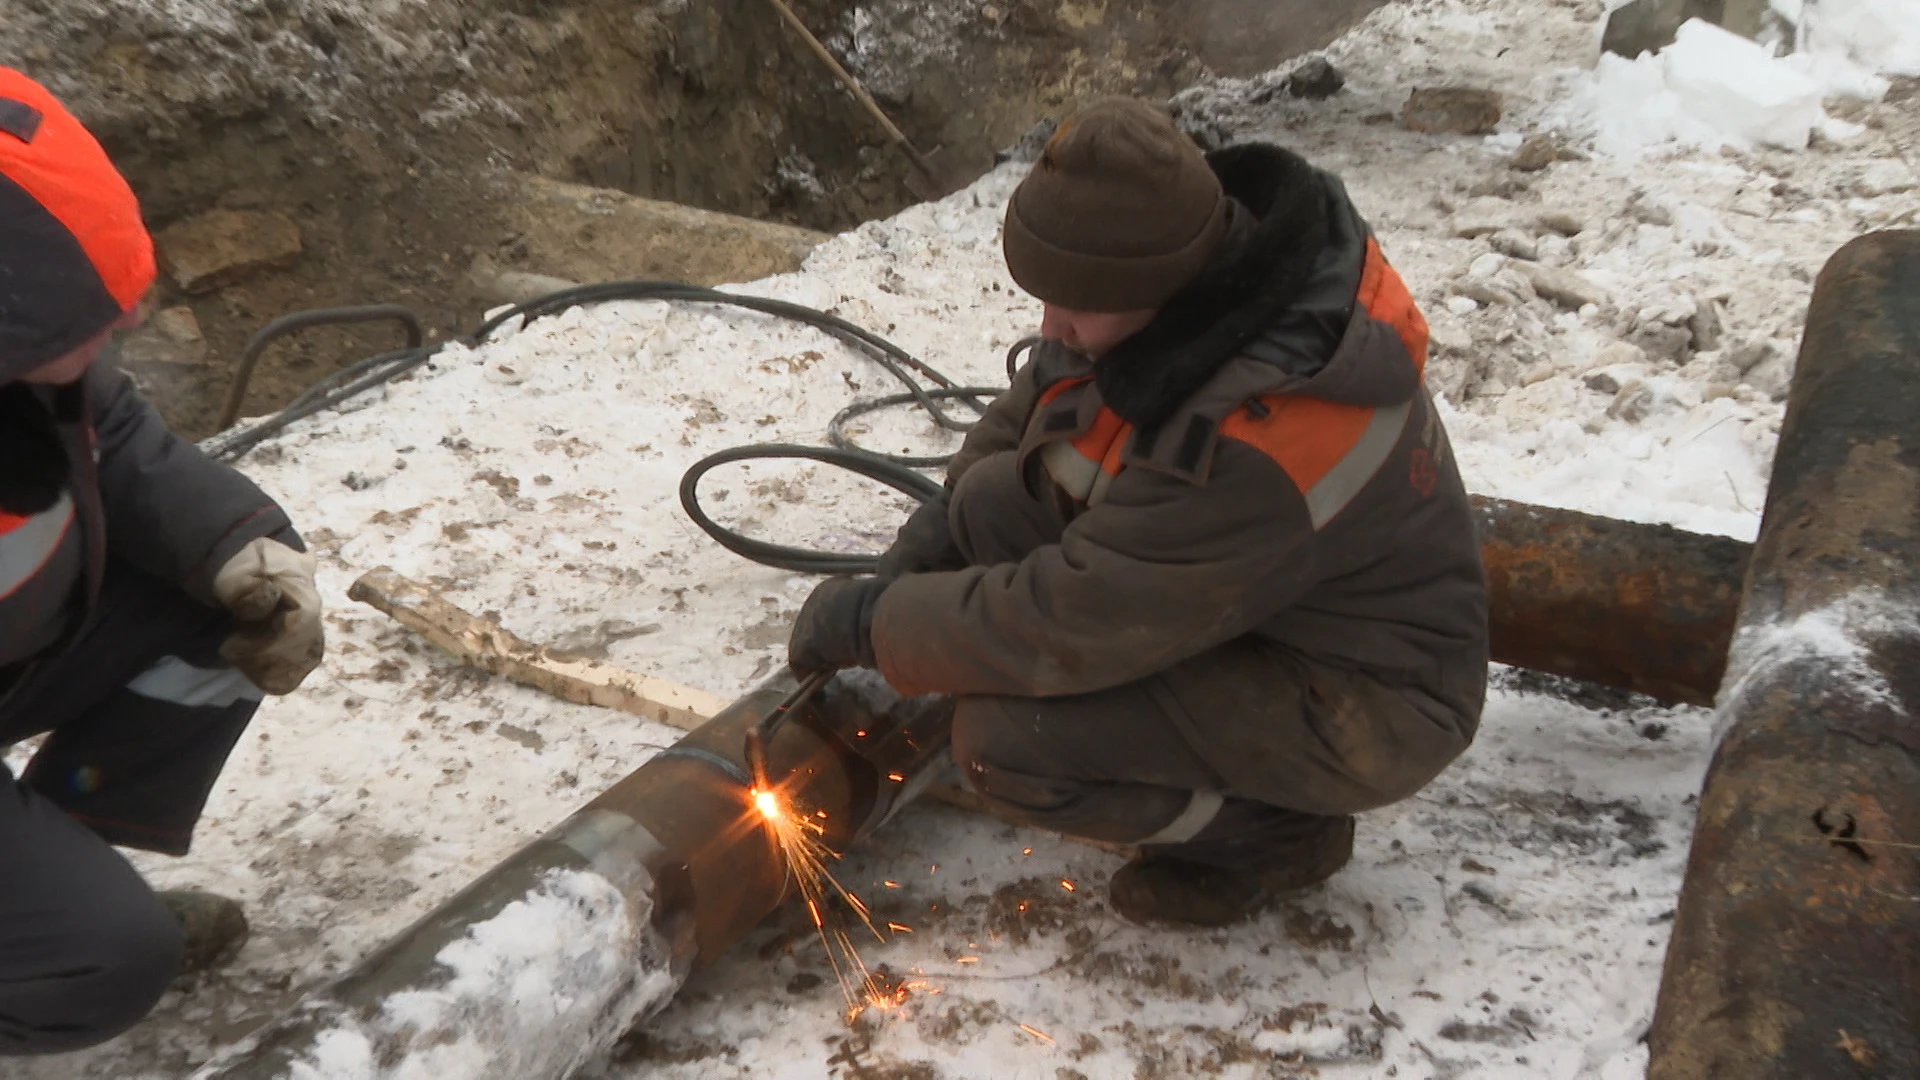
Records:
x=1228, y=759
x=140, y=715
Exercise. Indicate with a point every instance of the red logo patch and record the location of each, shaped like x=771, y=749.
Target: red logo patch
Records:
x=1421, y=473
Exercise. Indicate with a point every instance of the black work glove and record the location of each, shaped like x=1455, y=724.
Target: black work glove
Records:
x=925, y=544
x=835, y=626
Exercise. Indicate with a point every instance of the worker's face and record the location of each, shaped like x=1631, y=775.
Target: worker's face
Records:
x=1093, y=333
x=71, y=366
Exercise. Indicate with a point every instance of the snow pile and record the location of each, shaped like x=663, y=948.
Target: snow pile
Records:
x=1879, y=37
x=533, y=993
x=1712, y=88
x=1708, y=88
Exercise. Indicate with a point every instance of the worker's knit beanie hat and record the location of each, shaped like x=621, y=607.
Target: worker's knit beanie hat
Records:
x=1119, y=214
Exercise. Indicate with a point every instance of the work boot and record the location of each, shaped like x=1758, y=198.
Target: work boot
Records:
x=214, y=928
x=1165, y=888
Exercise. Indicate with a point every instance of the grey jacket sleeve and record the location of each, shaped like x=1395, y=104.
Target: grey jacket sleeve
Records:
x=925, y=543
x=1159, y=572
x=171, y=510
x=1001, y=428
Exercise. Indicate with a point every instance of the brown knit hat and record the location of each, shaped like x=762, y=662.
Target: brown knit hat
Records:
x=1120, y=212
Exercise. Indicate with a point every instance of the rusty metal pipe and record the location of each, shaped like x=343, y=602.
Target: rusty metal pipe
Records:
x=1641, y=607
x=1796, y=947
x=540, y=964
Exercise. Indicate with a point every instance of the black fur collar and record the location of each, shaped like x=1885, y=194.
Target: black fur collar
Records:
x=1147, y=377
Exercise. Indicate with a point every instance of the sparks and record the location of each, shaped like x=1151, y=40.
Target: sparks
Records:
x=966, y=960
x=798, y=838
x=1038, y=1034
x=891, y=884
x=1067, y=885
x=899, y=928
x=1027, y=851
x=896, y=778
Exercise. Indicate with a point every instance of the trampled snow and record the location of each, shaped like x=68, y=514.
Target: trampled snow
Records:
x=1508, y=922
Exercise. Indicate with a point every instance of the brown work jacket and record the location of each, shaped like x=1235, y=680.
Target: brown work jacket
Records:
x=1262, y=460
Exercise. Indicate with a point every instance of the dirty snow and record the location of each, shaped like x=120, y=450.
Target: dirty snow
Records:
x=1611, y=335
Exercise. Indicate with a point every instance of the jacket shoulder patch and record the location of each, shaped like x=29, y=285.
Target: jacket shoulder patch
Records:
x=1330, y=451
x=1385, y=297
x=19, y=119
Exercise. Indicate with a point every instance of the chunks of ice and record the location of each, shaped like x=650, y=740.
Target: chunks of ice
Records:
x=1739, y=88
x=1710, y=87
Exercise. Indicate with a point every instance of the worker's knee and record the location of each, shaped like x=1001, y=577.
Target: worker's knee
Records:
x=93, y=971
x=996, y=746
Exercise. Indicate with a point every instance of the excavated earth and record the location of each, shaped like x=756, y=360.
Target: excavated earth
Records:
x=396, y=135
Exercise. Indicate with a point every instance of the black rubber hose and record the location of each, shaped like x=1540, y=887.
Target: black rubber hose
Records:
x=782, y=556
x=895, y=471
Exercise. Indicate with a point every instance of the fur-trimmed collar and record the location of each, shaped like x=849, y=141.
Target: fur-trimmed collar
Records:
x=1147, y=377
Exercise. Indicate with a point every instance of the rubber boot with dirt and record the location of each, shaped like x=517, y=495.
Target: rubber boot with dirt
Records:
x=1164, y=888
x=214, y=927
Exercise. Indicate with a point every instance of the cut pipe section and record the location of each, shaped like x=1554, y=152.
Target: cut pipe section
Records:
x=1796, y=948
x=537, y=967
x=1646, y=608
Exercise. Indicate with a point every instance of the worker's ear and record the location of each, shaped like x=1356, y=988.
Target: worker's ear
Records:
x=33, y=463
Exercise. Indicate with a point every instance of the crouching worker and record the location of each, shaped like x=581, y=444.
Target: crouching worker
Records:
x=1205, y=579
x=148, y=596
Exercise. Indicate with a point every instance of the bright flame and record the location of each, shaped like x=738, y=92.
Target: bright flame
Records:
x=798, y=836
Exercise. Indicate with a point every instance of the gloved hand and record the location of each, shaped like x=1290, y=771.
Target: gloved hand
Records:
x=269, y=588
x=835, y=626
x=925, y=544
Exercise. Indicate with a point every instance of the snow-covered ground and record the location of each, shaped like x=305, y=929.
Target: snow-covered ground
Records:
x=1508, y=922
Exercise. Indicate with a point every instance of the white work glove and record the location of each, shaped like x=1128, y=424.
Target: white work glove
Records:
x=269, y=588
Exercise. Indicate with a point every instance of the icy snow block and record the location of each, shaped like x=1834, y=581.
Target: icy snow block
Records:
x=1740, y=88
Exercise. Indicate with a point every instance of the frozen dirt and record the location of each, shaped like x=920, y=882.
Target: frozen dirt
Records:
x=1612, y=335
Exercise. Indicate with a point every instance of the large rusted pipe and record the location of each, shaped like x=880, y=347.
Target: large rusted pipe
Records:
x=542, y=963
x=1796, y=948
x=1641, y=607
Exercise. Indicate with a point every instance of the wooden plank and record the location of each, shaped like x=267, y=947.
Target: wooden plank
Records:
x=490, y=647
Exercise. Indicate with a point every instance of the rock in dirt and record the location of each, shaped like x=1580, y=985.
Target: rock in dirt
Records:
x=1515, y=244
x=166, y=356
x=1568, y=288
x=1633, y=403
x=1707, y=325
x=1537, y=152
x=1484, y=216
x=1315, y=78
x=1561, y=221
x=1452, y=110
x=225, y=247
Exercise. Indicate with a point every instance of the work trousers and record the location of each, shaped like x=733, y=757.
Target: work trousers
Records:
x=1230, y=758
x=140, y=715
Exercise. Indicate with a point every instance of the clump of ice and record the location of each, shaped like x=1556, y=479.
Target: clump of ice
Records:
x=1881, y=37
x=1709, y=88
x=1840, y=634
x=533, y=993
